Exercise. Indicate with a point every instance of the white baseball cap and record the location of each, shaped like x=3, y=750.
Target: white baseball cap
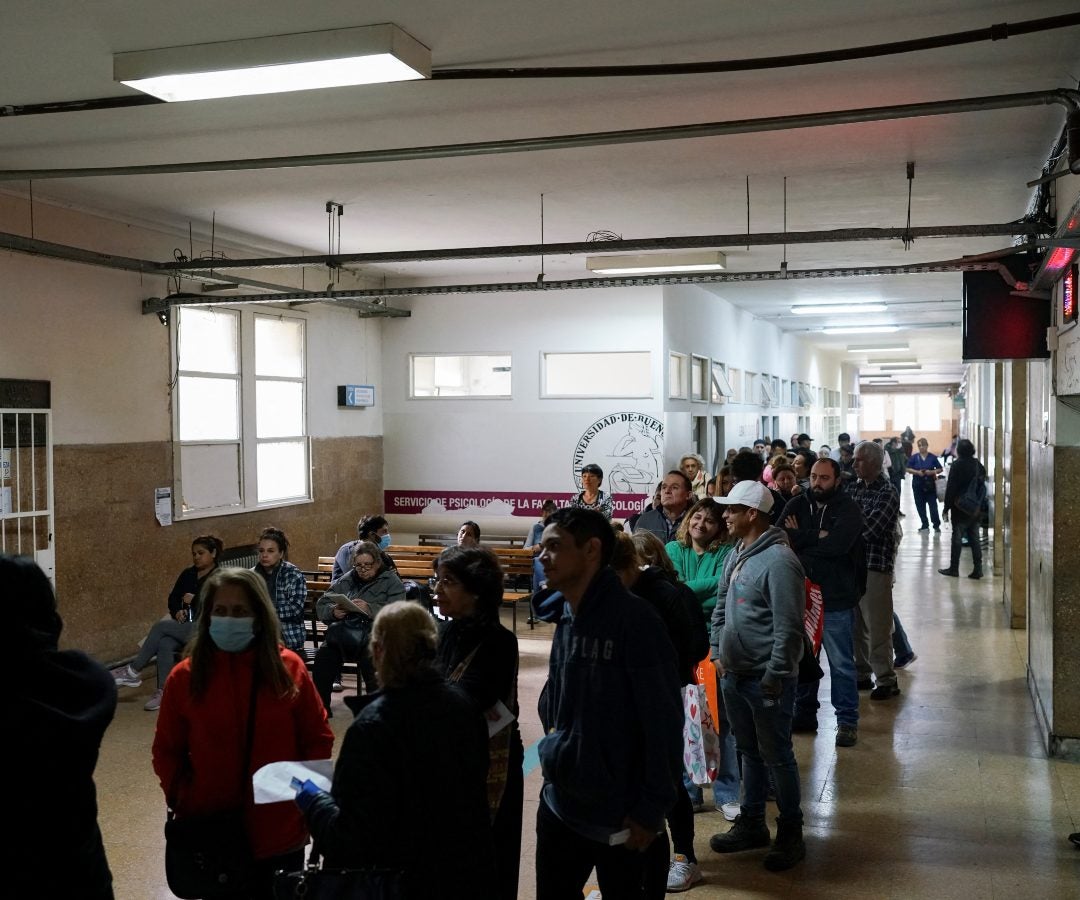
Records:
x=749, y=493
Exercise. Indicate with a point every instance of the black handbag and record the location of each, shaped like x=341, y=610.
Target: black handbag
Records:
x=316, y=882
x=209, y=856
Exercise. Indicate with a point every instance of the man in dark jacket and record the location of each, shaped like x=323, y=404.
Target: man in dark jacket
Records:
x=825, y=529
x=965, y=470
x=612, y=717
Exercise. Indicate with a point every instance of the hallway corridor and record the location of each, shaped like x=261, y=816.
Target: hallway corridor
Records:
x=948, y=793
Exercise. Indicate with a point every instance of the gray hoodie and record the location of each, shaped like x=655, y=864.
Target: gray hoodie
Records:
x=757, y=626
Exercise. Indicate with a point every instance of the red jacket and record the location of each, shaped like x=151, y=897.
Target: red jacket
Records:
x=199, y=744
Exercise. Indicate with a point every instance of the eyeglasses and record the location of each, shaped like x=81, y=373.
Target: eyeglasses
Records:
x=364, y=567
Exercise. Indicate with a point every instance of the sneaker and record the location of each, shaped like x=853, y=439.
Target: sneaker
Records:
x=730, y=811
x=337, y=687
x=925, y=528
x=154, y=703
x=745, y=834
x=683, y=875
x=847, y=735
x=126, y=676
x=865, y=684
x=885, y=692
x=902, y=662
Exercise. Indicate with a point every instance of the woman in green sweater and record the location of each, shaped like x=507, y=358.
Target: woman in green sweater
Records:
x=699, y=550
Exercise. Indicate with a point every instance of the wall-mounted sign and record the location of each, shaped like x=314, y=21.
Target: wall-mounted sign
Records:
x=491, y=503
x=356, y=395
x=628, y=446
x=5, y=464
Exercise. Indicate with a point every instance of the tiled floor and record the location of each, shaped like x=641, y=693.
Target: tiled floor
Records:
x=948, y=793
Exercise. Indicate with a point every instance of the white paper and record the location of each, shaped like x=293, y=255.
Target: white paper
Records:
x=273, y=782
x=163, y=505
x=614, y=839
x=504, y=718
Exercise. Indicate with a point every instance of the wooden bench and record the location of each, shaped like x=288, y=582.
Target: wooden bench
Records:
x=492, y=541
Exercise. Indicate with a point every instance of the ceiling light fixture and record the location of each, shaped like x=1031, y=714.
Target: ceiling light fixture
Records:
x=829, y=309
x=653, y=263
x=883, y=347
x=863, y=329
x=905, y=367
x=370, y=54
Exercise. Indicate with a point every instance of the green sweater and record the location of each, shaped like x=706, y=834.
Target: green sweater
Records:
x=699, y=573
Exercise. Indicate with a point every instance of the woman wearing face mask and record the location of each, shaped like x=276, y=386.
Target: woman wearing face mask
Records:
x=368, y=586
x=168, y=637
x=199, y=745
x=285, y=584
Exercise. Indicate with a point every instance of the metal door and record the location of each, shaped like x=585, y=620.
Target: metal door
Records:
x=26, y=486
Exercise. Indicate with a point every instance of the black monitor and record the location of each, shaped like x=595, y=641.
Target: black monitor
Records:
x=999, y=325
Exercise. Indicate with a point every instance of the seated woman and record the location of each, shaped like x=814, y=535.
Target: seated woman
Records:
x=591, y=497
x=286, y=585
x=199, y=745
x=168, y=637
x=370, y=528
x=532, y=542
x=368, y=586
x=384, y=773
x=468, y=535
x=481, y=656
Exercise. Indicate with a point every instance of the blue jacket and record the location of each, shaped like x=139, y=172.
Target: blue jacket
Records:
x=611, y=711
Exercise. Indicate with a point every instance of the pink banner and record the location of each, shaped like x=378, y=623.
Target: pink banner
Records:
x=491, y=503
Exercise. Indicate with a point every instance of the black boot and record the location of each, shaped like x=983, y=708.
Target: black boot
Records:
x=788, y=848
x=952, y=573
x=746, y=834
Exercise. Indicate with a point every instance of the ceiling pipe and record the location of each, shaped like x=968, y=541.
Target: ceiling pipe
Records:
x=1070, y=99
x=952, y=265
x=1006, y=229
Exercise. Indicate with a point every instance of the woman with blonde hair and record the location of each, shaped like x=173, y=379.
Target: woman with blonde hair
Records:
x=383, y=773
x=237, y=668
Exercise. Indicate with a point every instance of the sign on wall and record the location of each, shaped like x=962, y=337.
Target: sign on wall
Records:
x=628, y=446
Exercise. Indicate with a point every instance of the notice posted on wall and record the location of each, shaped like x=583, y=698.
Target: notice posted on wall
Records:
x=163, y=505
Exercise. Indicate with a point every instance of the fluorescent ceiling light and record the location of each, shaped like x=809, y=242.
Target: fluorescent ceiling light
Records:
x=888, y=362
x=810, y=309
x=291, y=62
x=906, y=367
x=653, y=263
x=882, y=381
x=863, y=329
x=882, y=347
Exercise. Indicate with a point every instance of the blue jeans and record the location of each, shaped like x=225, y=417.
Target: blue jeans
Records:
x=762, y=728
x=839, y=646
x=538, y=574
x=901, y=646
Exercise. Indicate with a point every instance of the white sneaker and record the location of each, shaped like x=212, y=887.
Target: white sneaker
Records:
x=683, y=875
x=154, y=703
x=337, y=687
x=126, y=676
x=731, y=810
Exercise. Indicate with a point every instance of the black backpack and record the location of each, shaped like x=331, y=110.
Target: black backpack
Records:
x=970, y=503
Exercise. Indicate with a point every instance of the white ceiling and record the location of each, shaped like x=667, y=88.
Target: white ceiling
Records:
x=970, y=168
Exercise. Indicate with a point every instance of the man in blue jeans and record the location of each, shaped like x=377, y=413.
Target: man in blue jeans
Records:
x=757, y=642
x=825, y=529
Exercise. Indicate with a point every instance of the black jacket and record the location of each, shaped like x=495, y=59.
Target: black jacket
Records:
x=683, y=618
x=837, y=562
x=401, y=739
x=961, y=474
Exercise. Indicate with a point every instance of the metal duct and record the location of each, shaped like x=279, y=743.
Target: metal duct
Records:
x=1070, y=99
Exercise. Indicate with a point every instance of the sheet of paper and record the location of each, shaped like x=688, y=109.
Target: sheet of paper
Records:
x=504, y=718
x=163, y=505
x=272, y=783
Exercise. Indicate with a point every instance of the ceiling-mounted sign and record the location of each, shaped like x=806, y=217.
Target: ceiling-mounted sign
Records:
x=356, y=395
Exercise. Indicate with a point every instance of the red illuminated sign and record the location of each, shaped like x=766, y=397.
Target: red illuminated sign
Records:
x=1068, y=296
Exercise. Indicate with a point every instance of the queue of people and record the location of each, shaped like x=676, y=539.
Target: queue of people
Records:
x=712, y=579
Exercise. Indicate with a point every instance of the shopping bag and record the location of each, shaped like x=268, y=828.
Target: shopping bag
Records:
x=701, y=746
x=814, y=617
x=939, y=487
x=705, y=674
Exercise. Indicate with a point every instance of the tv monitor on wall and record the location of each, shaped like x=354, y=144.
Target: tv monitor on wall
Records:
x=1000, y=326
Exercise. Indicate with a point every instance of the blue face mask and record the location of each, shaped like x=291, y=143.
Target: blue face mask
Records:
x=384, y=542
x=232, y=635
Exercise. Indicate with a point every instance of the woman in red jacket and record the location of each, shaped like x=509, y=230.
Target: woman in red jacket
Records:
x=202, y=727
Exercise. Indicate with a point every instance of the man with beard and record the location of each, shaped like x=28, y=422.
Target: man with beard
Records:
x=825, y=529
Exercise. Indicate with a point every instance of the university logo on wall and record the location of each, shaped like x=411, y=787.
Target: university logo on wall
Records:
x=629, y=447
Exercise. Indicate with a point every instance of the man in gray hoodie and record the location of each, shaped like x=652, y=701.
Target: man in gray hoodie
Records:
x=757, y=642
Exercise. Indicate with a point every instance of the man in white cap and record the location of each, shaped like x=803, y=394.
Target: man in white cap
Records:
x=757, y=642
